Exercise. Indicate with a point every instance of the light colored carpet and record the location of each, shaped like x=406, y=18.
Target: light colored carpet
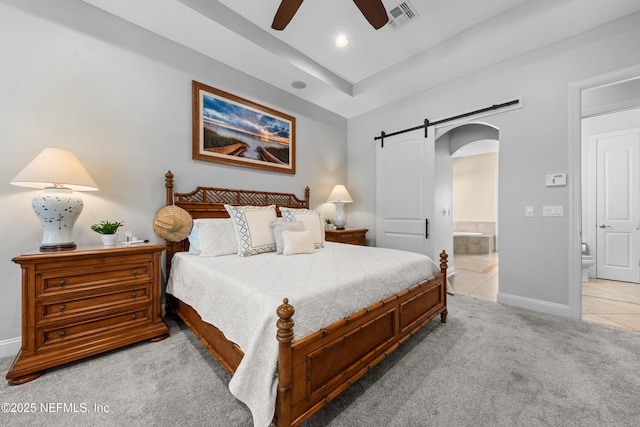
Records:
x=490, y=365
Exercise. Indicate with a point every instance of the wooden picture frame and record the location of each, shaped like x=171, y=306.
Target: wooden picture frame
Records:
x=232, y=130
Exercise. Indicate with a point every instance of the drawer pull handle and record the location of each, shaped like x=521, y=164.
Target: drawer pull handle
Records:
x=62, y=307
x=62, y=282
x=134, y=272
x=61, y=333
x=133, y=316
x=134, y=294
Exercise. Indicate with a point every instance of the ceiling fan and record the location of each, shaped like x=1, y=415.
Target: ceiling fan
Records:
x=373, y=10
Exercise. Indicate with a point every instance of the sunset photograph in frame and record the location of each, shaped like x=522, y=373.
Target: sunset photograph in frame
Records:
x=232, y=130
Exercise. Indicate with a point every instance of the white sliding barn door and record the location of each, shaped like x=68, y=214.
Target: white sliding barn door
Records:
x=405, y=193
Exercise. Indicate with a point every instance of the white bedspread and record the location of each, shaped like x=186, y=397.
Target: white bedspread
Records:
x=240, y=296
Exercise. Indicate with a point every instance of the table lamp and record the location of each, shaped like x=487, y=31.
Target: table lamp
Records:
x=59, y=173
x=339, y=195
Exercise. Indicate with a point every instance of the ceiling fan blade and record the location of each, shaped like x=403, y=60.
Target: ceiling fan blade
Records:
x=285, y=13
x=374, y=11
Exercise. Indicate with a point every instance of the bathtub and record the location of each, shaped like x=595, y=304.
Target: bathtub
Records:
x=472, y=242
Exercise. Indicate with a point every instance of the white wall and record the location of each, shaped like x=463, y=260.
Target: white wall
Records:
x=474, y=187
x=119, y=97
x=611, y=97
x=534, y=252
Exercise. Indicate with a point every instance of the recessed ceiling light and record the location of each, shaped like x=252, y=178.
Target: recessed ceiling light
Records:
x=342, y=40
x=299, y=84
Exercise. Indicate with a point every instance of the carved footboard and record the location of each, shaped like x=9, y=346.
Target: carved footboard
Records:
x=315, y=369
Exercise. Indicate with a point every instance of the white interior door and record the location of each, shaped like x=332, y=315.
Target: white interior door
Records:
x=618, y=203
x=404, y=193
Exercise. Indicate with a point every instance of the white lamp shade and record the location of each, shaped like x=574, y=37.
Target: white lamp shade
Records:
x=339, y=194
x=55, y=167
x=59, y=172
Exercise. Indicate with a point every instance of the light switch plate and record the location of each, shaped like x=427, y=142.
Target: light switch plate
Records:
x=553, y=211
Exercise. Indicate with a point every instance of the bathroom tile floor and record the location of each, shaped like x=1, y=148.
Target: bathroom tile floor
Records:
x=607, y=302
x=476, y=275
x=611, y=303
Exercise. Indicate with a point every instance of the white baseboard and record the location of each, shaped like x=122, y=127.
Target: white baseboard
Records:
x=535, y=305
x=10, y=347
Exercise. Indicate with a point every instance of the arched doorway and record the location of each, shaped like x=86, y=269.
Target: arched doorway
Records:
x=473, y=149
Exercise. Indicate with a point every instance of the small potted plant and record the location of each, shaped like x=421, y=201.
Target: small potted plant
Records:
x=108, y=231
x=328, y=223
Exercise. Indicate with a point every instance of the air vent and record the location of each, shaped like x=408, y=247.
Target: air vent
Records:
x=401, y=15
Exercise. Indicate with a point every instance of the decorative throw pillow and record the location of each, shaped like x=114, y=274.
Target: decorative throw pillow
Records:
x=312, y=221
x=214, y=237
x=252, y=225
x=297, y=242
x=279, y=226
x=194, y=240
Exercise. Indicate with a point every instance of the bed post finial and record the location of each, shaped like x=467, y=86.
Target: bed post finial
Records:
x=443, y=260
x=285, y=323
x=306, y=196
x=285, y=337
x=168, y=184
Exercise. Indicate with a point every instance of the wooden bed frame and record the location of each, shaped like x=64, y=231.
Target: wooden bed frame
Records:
x=314, y=369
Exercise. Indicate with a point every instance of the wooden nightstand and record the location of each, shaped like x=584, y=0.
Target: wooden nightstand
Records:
x=352, y=236
x=87, y=301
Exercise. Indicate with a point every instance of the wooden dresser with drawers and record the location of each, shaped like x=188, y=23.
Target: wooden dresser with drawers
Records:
x=86, y=301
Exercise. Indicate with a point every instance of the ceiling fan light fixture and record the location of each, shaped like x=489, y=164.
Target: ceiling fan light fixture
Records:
x=373, y=11
x=342, y=41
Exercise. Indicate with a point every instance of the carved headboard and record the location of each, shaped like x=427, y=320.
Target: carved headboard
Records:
x=208, y=202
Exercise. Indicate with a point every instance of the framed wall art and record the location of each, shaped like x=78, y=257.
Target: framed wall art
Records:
x=229, y=129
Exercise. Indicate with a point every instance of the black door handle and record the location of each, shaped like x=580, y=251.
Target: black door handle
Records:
x=426, y=228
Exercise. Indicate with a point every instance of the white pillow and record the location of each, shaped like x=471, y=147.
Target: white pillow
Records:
x=297, y=242
x=279, y=226
x=252, y=225
x=312, y=221
x=215, y=237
